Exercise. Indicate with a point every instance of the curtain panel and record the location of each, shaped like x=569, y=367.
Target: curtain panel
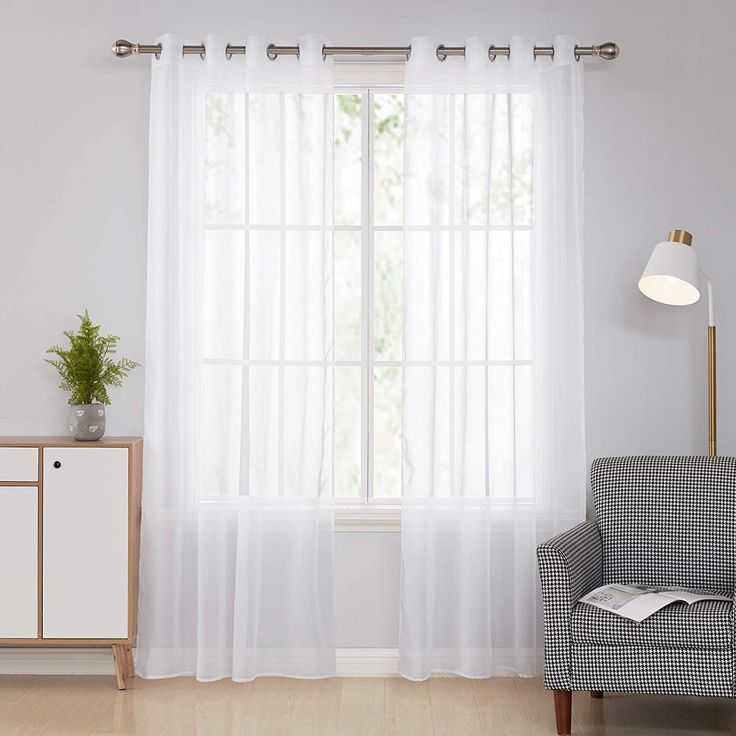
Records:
x=237, y=560
x=493, y=425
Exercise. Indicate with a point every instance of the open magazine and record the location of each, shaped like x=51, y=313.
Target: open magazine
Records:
x=638, y=602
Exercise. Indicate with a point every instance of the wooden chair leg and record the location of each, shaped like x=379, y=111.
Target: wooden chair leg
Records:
x=563, y=711
x=596, y=693
x=121, y=668
x=129, y=665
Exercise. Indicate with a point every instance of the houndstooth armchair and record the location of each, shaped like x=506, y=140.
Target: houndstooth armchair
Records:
x=668, y=521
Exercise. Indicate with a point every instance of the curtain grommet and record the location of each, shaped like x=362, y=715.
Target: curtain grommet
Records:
x=491, y=55
x=228, y=54
x=440, y=52
x=324, y=55
x=270, y=53
x=577, y=55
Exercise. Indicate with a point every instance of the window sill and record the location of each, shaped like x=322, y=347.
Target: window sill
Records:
x=367, y=518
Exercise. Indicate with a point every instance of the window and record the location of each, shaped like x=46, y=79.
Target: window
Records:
x=368, y=283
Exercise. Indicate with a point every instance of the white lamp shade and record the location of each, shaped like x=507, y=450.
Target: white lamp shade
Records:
x=671, y=276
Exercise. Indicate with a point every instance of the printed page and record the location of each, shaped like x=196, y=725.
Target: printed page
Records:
x=689, y=597
x=611, y=597
x=629, y=601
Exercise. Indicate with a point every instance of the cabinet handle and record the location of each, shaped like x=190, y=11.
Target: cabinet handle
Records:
x=57, y=464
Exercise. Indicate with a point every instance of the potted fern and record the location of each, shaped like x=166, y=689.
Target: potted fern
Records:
x=87, y=369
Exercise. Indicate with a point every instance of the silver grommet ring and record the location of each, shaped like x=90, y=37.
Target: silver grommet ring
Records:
x=269, y=52
x=228, y=55
x=577, y=55
x=491, y=55
x=440, y=53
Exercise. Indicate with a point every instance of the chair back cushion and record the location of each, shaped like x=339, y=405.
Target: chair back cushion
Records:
x=667, y=521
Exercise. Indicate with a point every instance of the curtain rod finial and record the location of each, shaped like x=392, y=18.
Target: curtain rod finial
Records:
x=122, y=48
x=608, y=51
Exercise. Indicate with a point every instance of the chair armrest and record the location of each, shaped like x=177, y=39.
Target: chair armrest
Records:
x=570, y=565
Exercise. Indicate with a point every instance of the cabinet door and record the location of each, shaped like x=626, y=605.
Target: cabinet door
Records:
x=85, y=543
x=19, y=562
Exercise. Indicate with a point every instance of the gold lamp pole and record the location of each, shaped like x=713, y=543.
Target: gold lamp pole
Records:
x=712, y=429
x=672, y=277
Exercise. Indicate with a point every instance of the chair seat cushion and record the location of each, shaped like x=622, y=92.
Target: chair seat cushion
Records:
x=702, y=625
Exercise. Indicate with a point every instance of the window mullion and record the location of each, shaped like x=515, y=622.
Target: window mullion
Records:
x=366, y=217
x=282, y=291
x=245, y=370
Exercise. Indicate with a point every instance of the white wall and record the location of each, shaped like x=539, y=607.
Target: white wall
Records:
x=659, y=154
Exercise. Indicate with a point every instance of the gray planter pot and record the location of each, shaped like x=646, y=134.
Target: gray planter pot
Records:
x=87, y=422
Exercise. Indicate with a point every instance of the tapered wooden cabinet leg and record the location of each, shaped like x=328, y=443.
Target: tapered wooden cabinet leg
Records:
x=596, y=693
x=563, y=711
x=121, y=666
x=129, y=664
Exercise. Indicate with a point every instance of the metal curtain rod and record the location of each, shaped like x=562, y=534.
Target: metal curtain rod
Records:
x=123, y=48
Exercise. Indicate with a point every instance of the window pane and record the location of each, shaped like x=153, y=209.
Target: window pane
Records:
x=522, y=154
x=430, y=126
x=347, y=432
x=264, y=158
x=387, y=432
x=264, y=289
x=263, y=422
x=307, y=432
x=524, y=429
x=500, y=295
x=501, y=205
x=220, y=411
x=472, y=130
x=470, y=296
x=308, y=329
x=522, y=296
x=223, y=273
x=427, y=294
x=347, y=295
x=388, y=138
x=501, y=428
x=427, y=421
x=225, y=158
x=469, y=430
x=388, y=291
x=308, y=144
x=348, y=174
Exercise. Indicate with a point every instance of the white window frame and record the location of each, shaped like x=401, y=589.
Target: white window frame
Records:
x=367, y=514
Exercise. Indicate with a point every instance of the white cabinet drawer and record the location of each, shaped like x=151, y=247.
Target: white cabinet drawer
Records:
x=19, y=464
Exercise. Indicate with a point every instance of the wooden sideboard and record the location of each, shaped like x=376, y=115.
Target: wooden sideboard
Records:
x=69, y=543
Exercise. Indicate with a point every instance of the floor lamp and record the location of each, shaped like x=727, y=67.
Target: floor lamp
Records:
x=672, y=277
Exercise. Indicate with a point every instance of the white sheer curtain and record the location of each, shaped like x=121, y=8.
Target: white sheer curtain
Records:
x=237, y=537
x=494, y=455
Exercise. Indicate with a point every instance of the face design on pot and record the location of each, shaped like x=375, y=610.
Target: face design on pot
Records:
x=87, y=422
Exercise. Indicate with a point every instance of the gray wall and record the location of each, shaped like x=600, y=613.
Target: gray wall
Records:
x=658, y=154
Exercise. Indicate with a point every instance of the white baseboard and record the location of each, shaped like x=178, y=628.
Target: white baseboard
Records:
x=98, y=661
x=367, y=662
x=69, y=661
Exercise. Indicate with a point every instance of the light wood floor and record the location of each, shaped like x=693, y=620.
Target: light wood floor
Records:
x=76, y=706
